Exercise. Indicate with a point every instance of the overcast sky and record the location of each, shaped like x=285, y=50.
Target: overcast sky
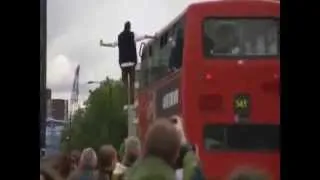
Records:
x=76, y=26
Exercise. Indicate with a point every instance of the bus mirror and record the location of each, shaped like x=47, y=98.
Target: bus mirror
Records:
x=141, y=48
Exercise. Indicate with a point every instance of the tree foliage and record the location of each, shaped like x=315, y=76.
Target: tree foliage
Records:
x=102, y=121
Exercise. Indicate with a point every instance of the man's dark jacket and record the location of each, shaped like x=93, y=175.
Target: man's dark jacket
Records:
x=127, y=47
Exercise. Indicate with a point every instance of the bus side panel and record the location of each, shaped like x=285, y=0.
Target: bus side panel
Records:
x=190, y=80
x=142, y=113
x=193, y=77
x=151, y=102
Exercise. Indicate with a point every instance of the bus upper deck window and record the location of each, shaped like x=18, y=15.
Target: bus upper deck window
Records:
x=164, y=40
x=150, y=51
x=175, y=59
x=226, y=39
x=144, y=53
x=240, y=37
x=161, y=42
x=166, y=35
x=208, y=45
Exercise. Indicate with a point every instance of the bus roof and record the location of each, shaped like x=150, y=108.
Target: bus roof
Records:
x=212, y=2
x=203, y=4
x=175, y=20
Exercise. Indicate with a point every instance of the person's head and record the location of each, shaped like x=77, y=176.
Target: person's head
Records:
x=75, y=156
x=45, y=176
x=88, y=159
x=107, y=157
x=127, y=26
x=178, y=124
x=132, y=149
x=226, y=35
x=132, y=145
x=54, y=160
x=64, y=165
x=163, y=141
x=249, y=174
x=47, y=173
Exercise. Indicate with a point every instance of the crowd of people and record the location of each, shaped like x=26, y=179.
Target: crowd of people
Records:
x=165, y=155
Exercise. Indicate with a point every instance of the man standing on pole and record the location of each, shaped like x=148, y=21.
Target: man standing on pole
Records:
x=127, y=55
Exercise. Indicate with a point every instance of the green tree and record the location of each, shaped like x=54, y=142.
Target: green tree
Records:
x=102, y=121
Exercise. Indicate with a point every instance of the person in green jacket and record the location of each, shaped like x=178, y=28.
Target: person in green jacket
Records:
x=132, y=150
x=191, y=167
x=188, y=164
x=162, y=146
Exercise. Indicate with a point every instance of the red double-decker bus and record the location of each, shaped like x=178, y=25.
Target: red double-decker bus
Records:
x=224, y=86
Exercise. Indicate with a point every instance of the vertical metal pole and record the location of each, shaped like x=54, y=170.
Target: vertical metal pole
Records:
x=131, y=110
x=129, y=105
x=43, y=72
x=110, y=94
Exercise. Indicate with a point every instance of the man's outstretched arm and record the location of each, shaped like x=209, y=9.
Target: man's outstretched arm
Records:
x=114, y=44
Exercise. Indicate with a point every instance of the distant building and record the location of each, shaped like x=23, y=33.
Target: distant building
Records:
x=57, y=114
x=53, y=135
x=59, y=109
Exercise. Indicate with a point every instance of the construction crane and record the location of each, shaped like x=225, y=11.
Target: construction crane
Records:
x=74, y=105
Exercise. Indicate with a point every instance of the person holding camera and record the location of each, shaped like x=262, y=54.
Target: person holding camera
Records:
x=188, y=163
x=161, y=149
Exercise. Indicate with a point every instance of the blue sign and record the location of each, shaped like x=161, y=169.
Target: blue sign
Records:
x=53, y=137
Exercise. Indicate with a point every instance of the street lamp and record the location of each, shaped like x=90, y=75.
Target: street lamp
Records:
x=94, y=82
x=103, y=83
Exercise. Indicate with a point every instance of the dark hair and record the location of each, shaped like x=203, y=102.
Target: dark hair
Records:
x=127, y=26
x=64, y=165
x=47, y=175
x=106, y=157
x=132, y=151
x=163, y=141
x=75, y=156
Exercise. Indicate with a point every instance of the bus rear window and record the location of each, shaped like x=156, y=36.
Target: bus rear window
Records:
x=241, y=137
x=238, y=37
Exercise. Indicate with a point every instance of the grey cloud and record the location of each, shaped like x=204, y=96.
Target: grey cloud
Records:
x=75, y=27
x=66, y=87
x=62, y=14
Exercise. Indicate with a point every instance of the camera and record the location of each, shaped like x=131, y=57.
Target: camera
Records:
x=184, y=149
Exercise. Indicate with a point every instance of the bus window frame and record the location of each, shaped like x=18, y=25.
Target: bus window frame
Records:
x=144, y=59
x=230, y=57
x=150, y=51
x=158, y=44
x=235, y=150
